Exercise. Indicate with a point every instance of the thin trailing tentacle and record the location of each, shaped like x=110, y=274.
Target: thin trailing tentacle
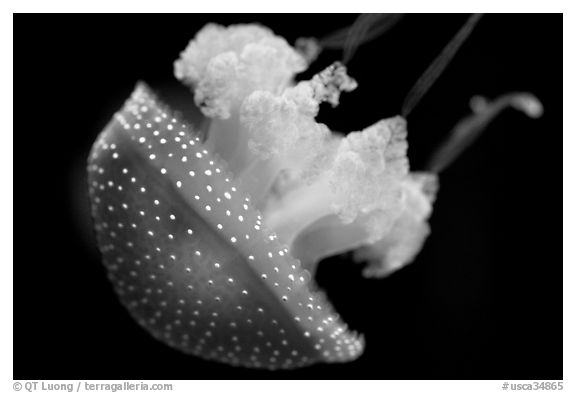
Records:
x=425, y=82
x=470, y=128
x=378, y=24
x=357, y=33
x=366, y=28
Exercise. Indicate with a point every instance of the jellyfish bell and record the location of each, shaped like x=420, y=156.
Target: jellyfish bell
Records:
x=189, y=255
x=211, y=241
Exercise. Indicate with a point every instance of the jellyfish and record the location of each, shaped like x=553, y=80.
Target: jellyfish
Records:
x=211, y=236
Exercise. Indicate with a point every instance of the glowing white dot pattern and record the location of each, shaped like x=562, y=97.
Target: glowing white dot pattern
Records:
x=190, y=257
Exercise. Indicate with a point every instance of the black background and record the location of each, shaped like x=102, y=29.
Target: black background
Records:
x=483, y=300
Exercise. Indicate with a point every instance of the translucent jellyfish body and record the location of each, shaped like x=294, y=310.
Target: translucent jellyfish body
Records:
x=211, y=240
